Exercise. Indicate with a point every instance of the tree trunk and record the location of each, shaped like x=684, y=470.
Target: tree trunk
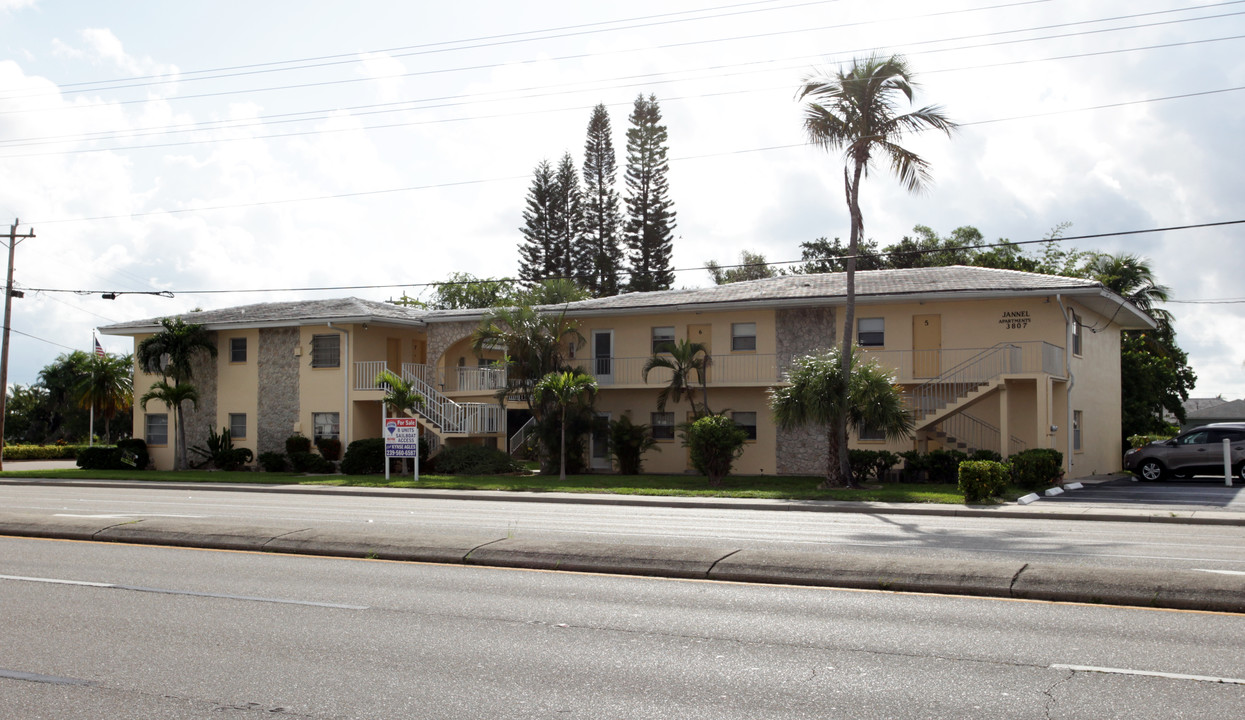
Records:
x=179, y=452
x=852, y=188
x=834, y=474
x=562, y=464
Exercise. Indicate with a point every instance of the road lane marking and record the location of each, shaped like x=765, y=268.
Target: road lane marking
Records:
x=1147, y=673
x=1221, y=572
x=128, y=515
x=192, y=593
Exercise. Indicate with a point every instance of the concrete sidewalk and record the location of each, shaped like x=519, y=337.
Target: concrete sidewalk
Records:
x=1150, y=588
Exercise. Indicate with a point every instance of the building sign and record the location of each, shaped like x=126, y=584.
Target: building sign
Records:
x=401, y=437
x=1015, y=319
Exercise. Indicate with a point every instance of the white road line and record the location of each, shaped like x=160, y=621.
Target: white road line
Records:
x=166, y=591
x=1221, y=572
x=127, y=515
x=1170, y=676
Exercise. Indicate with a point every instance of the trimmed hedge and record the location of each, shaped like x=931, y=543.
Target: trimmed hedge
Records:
x=1036, y=468
x=43, y=452
x=309, y=462
x=364, y=457
x=273, y=462
x=114, y=457
x=473, y=460
x=982, y=479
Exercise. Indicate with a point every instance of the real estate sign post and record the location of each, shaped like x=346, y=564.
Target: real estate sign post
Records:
x=402, y=440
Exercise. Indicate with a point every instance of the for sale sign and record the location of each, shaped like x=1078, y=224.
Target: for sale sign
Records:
x=401, y=437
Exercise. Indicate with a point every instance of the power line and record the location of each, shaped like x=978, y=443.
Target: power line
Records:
x=395, y=286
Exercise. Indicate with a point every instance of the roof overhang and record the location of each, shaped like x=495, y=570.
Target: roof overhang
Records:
x=155, y=327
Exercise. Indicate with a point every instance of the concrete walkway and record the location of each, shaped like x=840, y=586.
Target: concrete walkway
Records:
x=1150, y=588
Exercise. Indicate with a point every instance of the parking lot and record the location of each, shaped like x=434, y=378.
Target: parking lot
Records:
x=1186, y=494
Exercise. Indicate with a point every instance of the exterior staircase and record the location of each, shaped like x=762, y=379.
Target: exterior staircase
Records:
x=444, y=416
x=936, y=400
x=965, y=432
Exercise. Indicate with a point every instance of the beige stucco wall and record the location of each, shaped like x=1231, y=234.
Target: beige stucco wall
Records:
x=1096, y=394
x=238, y=385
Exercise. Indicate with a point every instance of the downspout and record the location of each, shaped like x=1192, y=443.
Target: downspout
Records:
x=345, y=384
x=1067, y=362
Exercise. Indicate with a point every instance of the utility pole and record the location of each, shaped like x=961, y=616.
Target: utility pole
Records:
x=9, y=294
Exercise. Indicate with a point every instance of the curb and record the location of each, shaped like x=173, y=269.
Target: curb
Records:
x=1013, y=511
x=1179, y=589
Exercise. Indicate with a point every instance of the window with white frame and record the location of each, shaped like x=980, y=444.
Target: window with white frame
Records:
x=156, y=431
x=326, y=351
x=325, y=425
x=1077, y=329
x=662, y=424
x=237, y=425
x=237, y=350
x=747, y=421
x=743, y=336
x=870, y=332
x=663, y=339
x=1076, y=429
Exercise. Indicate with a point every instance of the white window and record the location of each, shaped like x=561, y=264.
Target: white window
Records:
x=663, y=339
x=871, y=332
x=662, y=424
x=237, y=350
x=1076, y=334
x=325, y=351
x=157, y=431
x=237, y=425
x=1076, y=429
x=747, y=421
x=325, y=426
x=743, y=336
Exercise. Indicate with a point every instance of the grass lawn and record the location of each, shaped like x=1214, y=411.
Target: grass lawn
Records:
x=737, y=486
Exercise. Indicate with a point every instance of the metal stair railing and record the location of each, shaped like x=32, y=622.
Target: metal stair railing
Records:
x=520, y=437
x=955, y=384
x=446, y=415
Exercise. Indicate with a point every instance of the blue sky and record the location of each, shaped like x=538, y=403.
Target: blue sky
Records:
x=211, y=150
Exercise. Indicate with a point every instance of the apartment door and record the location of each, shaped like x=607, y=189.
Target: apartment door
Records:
x=393, y=355
x=419, y=351
x=926, y=346
x=599, y=442
x=603, y=356
x=702, y=334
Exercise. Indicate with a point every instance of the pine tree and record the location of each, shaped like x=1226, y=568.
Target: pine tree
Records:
x=538, y=226
x=650, y=221
x=568, y=223
x=602, y=258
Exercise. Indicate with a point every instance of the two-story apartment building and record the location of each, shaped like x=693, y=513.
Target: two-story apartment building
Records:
x=993, y=359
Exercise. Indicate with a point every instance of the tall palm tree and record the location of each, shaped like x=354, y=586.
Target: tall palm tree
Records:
x=108, y=386
x=173, y=396
x=565, y=389
x=857, y=111
x=814, y=396
x=171, y=353
x=1131, y=277
x=682, y=359
x=533, y=340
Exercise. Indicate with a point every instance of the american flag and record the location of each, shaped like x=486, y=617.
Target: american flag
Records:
x=99, y=349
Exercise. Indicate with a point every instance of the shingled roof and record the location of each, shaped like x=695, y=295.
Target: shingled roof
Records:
x=284, y=314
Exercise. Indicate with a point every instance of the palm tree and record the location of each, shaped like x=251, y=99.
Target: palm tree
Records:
x=856, y=111
x=173, y=396
x=682, y=359
x=814, y=396
x=109, y=386
x=565, y=389
x=171, y=353
x=400, y=395
x=534, y=343
x=1132, y=278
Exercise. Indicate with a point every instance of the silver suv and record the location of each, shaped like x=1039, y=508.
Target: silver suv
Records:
x=1195, y=452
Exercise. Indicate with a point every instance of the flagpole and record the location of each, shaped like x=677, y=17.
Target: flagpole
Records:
x=90, y=441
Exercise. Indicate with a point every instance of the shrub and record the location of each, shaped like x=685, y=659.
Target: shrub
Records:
x=137, y=449
x=330, y=448
x=1137, y=441
x=309, y=462
x=990, y=455
x=862, y=462
x=982, y=479
x=297, y=444
x=220, y=453
x=473, y=460
x=915, y=466
x=273, y=462
x=365, y=457
x=714, y=442
x=628, y=442
x=42, y=452
x=1036, y=468
x=944, y=465
x=125, y=455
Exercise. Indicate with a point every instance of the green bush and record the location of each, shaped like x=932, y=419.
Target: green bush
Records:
x=1036, y=468
x=628, y=443
x=297, y=444
x=1137, y=441
x=273, y=462
x=364, y=457
x=137, y=449
x=915, y=466
x=990, y=455
x=714, y=442
x=982, y=479
x=330, y=448
x=125, y=455
x=944, y=465
x=309, y=462
x=871, y=464
x=42, y=452
x=473, y=460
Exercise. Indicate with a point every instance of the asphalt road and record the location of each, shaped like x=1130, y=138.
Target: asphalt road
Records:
x=100, y=630
x=1217, y=548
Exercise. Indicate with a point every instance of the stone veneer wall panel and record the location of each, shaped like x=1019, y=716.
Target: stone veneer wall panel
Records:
x=799, y=331
x=277, y=407
x=442, y=335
